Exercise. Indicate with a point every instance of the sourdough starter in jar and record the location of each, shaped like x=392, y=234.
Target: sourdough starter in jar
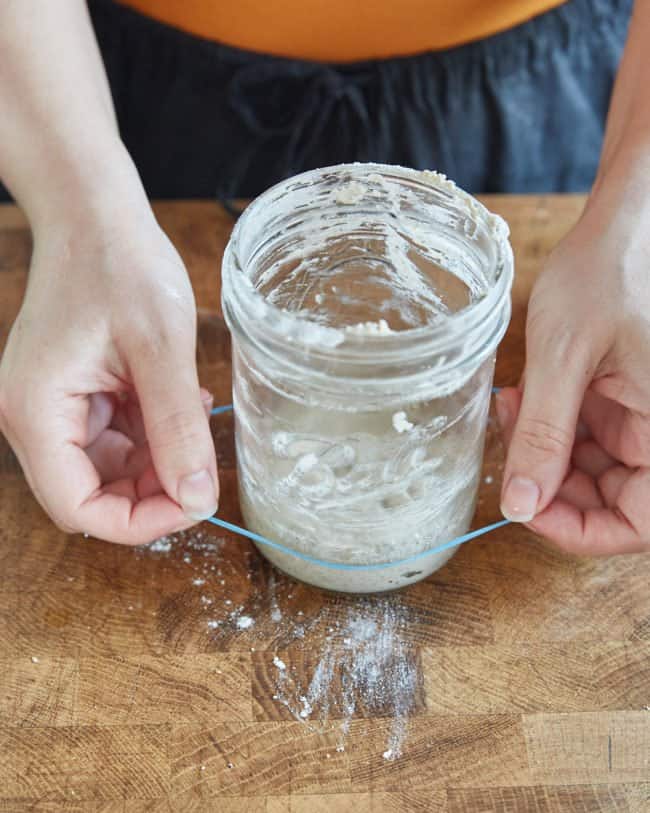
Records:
x=366, y=303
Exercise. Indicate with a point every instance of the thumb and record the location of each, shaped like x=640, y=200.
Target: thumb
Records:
x=543, y=431
x=177, y=430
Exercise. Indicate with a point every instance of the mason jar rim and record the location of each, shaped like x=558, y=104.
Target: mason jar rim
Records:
x=274, y=330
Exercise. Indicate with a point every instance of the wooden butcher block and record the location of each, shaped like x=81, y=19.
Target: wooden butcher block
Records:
x=190, y=675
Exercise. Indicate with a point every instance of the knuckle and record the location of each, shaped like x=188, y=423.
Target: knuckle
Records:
x=178, y=429
x=151, y=341
x=63, y=524
x=560, y=340
x=147, y=338
x=62, y=512
x=543, y=436
x=565, y=344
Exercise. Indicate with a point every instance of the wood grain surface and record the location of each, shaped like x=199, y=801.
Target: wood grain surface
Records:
x=515, y=679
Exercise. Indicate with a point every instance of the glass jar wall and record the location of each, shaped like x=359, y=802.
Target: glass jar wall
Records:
x=365, y=303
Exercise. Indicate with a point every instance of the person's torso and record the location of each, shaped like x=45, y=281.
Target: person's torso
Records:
x=342, y=30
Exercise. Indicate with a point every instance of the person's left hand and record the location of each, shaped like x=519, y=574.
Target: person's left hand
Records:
x=99, y=392
x=577, y=429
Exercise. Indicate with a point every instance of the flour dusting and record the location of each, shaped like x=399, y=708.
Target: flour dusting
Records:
x=358, y=660
x=162, y=545
x=364, y=669
x=245, y=622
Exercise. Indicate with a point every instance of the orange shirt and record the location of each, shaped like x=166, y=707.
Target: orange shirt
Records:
x=342, y=30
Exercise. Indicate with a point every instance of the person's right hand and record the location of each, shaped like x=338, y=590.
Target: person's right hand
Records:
x=577, y=430
x=99, y=396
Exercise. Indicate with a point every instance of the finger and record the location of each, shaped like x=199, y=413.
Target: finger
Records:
x=111, y=455
x=77, y=502
x=101, y=408
x=582, y=432
x=507, y=403
x=69, y=487
x=207, y=399
x=591, y=458
x=578, y=488
x=581, y=490
x=122, y=488
x=177, y=427
x=596, y=532
x=123, y=519
x=612, y=482
x=622, y=528
x=544, y=430
x=128, y=419
x=148, y=484
x=623, y=433
x=115, y=457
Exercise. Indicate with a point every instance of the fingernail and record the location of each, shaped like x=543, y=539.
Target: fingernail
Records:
x=197, y=495
x=503, y=413
x=520, y=499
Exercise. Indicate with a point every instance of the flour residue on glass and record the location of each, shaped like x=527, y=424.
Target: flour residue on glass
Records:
x=365, y=487
x=401, y=423
x=365, y=311
x=378, y=328
x=367, y=258
x=349, y=193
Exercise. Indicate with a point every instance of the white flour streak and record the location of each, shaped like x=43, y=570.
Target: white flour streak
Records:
x=358, y=660
x=365, y=669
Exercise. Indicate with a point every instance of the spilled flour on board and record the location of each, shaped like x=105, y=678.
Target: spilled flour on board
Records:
x=356, y=655
x=162, y=545
x=364, y=668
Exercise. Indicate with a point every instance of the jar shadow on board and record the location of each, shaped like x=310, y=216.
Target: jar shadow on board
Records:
x=366, y=303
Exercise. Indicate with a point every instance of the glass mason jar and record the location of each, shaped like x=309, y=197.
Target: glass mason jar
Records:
x=365, y=303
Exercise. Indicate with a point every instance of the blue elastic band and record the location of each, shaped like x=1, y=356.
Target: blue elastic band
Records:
x=305, y=557
x=219, y=410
